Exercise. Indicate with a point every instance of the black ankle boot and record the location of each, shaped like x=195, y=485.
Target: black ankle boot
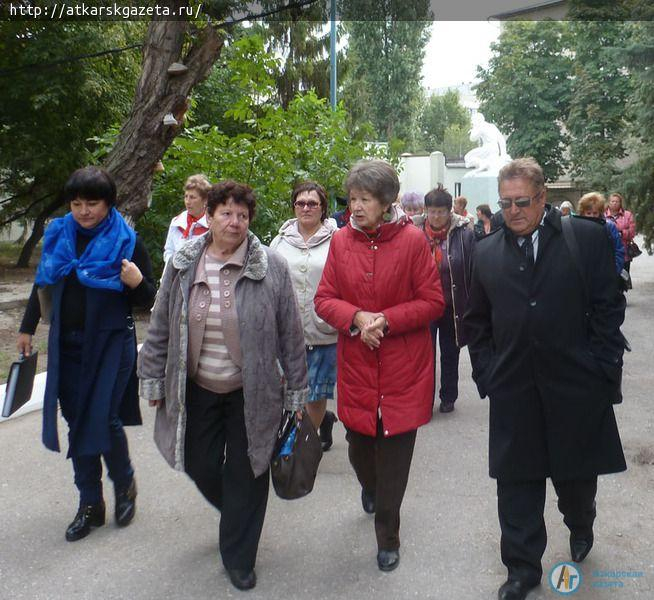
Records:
x=126, y=505
x=325, y=430
x=88, y=515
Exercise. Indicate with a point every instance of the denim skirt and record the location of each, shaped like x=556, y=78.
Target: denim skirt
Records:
x=321, y=361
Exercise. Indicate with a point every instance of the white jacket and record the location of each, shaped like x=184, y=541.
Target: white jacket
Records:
x=174, y=239
x=306, y=260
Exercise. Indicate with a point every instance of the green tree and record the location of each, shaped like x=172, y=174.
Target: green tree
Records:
x=526, y=90
x=440, y=113
x=456, y=141
x=277, y=148
x=49, y=113
x=384, y=74
x=638, y=179
x=298, y=36
x=601, y=87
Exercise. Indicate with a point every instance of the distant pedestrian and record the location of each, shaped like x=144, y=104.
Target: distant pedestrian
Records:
x=412, y=203
x=592, y=205
x=304, y=242
x=192, y=221
x=460, y=204
x=483, y=226
x=546, y=347
x=624, y=221
x=380, y=289
x=450, y=240
x=225, y=321
x=95, y=269
x=566, y=208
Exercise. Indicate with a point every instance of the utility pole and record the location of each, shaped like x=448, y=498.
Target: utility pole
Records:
x=332, y=54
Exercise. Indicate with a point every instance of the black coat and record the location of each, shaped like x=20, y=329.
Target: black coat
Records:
x=551, y=371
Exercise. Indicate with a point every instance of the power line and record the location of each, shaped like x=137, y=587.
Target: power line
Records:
x=223, y=25
x=68, y=59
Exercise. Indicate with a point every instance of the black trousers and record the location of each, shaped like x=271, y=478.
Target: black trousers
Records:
x=382, y=467
x=524, y=537
x=217, y=460
x=449, y=355
x=88, y=467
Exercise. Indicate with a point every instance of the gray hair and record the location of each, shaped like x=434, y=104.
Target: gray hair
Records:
x=376, y=177
x=412, y=201
x=523, y=168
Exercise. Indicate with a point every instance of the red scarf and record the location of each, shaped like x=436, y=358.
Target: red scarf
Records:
x=436, y=237
x=190, y=219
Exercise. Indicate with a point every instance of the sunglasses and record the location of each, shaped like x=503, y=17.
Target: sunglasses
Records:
x=310, y=205
x=523, y=202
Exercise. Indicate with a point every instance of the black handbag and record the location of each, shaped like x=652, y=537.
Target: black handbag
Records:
x=633, y=250
x=296, y=457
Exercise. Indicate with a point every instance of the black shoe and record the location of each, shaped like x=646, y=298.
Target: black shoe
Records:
x=368, y=501
x=325, y=430
x=242, y=579
x=387, y=560
x=446, y=407
x=514, y=590
x=126, y=505
x=88, y=515
x=580, y=546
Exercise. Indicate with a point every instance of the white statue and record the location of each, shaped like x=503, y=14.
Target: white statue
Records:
x=491, y=154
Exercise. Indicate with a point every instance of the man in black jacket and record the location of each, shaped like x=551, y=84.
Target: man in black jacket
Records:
x=546, y=348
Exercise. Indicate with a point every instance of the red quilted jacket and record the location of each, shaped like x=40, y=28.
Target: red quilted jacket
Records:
x=396, y=274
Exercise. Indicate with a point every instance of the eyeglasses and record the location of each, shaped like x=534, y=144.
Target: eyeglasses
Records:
x=523, y=202
x=310, y=205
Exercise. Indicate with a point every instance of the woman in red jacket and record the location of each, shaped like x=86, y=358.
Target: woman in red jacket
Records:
x=380, y=288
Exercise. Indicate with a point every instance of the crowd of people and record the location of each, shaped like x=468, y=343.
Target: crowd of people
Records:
x=364, y=309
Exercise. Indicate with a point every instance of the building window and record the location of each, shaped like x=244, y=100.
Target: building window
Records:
x=457, y=189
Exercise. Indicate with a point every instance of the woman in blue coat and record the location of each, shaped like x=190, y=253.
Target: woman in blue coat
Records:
x=93, y=269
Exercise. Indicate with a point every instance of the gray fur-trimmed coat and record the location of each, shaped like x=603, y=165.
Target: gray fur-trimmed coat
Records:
x=270, y=333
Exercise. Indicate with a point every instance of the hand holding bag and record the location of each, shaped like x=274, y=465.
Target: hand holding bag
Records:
x=296, y=457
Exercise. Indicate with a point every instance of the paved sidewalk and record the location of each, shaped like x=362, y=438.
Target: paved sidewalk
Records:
x=323, y=546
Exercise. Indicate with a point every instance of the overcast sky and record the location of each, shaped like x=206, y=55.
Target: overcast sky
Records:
x=455, y=50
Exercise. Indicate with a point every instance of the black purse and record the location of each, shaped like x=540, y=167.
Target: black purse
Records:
x=633, y=250
x=296, y=456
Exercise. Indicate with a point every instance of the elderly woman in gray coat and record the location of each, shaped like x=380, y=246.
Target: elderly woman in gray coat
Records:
x=225, y=319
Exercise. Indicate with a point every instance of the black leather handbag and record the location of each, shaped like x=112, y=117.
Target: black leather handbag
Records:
x=296, y=457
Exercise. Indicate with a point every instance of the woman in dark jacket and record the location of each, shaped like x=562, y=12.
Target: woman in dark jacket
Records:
x=484, y=224
x=94, y=269
x=380, y=289
x=451, y=241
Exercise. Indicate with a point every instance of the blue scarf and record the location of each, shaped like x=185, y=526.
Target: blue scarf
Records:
x=99, y=265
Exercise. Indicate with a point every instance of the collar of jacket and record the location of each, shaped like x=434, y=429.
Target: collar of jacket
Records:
x=256, y=260
x=180, y=220
x=552, y=217
x=290, y=233
x=458, y=221
x=387, y=229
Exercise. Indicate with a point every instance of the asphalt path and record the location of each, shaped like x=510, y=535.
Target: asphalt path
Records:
x=323, y=546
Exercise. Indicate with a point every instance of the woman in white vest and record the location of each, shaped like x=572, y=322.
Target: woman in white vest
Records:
x=191, y=222
x=304, y=243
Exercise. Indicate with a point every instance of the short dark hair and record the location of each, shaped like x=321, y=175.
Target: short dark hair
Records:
x=439, y=196
x=312, y=186
x=240, y=193
x=485, y=210
x=90, y=183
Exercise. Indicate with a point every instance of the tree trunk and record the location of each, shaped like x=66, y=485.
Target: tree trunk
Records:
x=144, y=138
x=37, y=233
